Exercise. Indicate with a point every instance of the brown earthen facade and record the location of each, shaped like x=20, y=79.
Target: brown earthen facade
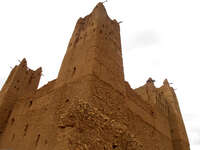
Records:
x=89, y=106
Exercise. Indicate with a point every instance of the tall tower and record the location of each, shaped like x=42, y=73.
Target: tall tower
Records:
x=94, y=49
x=89, y=106
x=22, y=81
x=178, y=131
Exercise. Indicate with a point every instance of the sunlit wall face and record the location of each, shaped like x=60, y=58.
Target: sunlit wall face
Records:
x=159, y=39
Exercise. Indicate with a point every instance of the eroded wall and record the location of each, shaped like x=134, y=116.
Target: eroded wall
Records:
x=21, y=81
x=94, y=48
x=89, y=106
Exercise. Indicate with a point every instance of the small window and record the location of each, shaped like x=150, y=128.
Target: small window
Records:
x=74, y=70
x=30, y=104
x=37, y=140
x=67, y=100
x=25, y=129
x=114, y=146
x=12, y=121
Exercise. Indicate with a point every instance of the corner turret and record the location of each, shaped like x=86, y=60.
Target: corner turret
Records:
x=22, y=81
x=178, y=131
x=148, y=91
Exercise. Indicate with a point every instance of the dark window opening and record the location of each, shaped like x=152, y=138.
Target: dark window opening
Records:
x=25, y=129
x=37, y=140
x=114, y=146
x=9, y=114
x=76, y=41
x=67, y=100
x=152, y=113
x=100, y=31
x=74, y=70
x=62, y=127
x=12, y=121
x=30, y=104
x=94, y=30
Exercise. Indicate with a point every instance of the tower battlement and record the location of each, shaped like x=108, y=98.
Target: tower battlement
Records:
x=89, y=106
x=94, y=48
x=21, y=81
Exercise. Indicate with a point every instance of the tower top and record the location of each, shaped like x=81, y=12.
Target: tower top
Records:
x=94, y=49
x=166, y=83
x=100, y=10
x=150, y=80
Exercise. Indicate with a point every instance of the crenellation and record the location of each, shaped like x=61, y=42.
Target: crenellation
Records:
x=89, y=106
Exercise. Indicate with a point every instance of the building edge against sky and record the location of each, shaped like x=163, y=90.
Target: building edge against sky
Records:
x=91, y=75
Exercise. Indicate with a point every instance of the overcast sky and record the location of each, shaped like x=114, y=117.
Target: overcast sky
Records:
x=160, y=39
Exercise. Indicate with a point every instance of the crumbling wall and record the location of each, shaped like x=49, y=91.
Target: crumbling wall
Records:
x=93, y=117
x=148, y=92
x=152, y=125
x=21, y=81
x=94, y=48
x=89, y=106
x=178, y=132
x=46, y=89
x=166, y=110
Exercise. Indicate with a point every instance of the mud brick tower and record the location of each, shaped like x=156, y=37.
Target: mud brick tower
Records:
x=89, y=106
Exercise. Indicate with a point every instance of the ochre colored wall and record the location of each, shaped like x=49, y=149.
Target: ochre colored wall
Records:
x=95, y=48
x=21, y=81
x=89, y=106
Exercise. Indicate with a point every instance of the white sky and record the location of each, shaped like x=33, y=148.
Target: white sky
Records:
x=160, y=39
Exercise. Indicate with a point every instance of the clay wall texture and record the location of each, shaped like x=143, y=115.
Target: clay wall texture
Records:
x=89, y=106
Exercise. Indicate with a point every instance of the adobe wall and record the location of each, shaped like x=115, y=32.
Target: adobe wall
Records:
x=89, y=105
x=6, y=106
x=33, y=119
x=148, y=92
x=29, y=125
x=71, y=112
x=94, y=48
x=104, y=120
x=178, y=131
x=166, y=106
x=138, y=121
x=21, y=81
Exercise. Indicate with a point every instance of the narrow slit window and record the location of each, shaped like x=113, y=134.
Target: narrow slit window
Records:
x=37, y=140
